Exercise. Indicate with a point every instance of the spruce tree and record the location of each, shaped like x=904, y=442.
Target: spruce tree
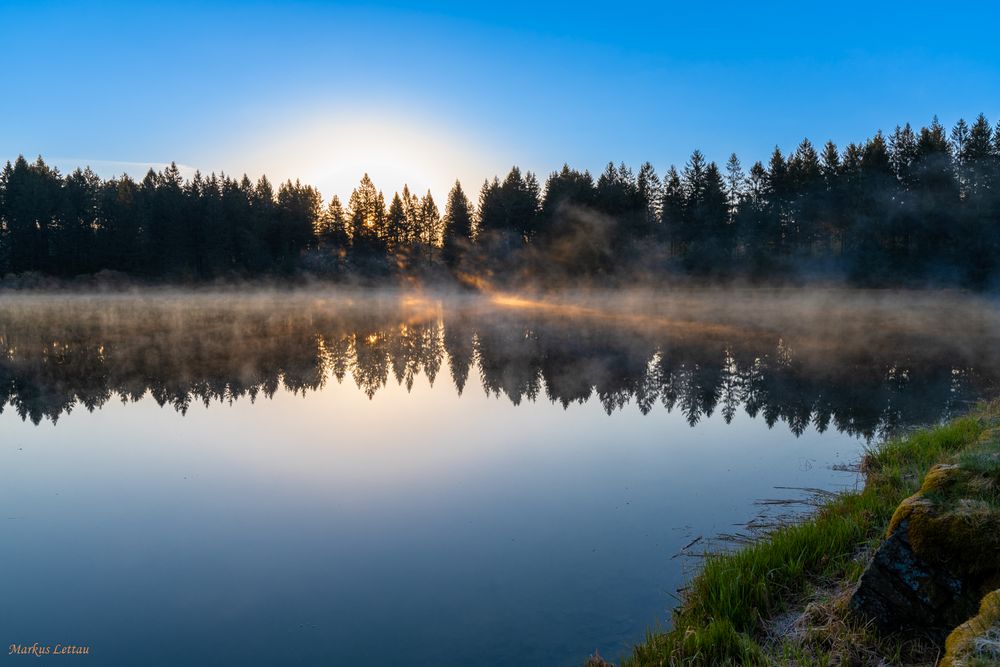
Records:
x=458, y=226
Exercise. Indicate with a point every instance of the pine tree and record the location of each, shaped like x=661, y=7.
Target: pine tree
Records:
x=491, y=215
x=31, y=203
x=298, y=209
x=978, y=159
x=833, y=210
x=936, y=196
x=959, y=137
x=458, y=225
x=74, y=229
x=806, y=179
x=903, y=149
x=564, y=188
x=649, y=194
x=779, y=203
x=876, y=256
x=171, y=246
x=706, y=235
x=430, y=227
x=396, y=226
x=119, y=233
x=411, y=210
x=510, y=210
x=5, y=178
x=366, y=216
x=754, y=233
x=671, y=229
x=735, y=183
x=977, y=241
x=260, y=255
x=333, y=229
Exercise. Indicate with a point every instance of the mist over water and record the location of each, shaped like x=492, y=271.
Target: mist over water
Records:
x=789, y=354
x=385, y=477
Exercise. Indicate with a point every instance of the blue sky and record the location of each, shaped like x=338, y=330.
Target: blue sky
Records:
x=427, y=93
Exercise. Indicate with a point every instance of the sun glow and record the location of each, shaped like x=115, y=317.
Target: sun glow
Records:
x=333, y=151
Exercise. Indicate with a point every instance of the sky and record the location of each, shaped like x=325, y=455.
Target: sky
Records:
x=424, y=93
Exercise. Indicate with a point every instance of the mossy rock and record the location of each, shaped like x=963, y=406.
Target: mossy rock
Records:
x=941, y=554
x=976, y=643
x=954, y=522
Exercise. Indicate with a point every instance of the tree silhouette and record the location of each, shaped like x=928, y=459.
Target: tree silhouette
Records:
x=367, y=217
x=458, y=227
x=909, y=208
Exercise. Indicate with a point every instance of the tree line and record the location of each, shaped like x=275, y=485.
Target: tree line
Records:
x=914, y=206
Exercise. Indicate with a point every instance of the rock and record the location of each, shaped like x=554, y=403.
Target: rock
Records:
x=901, y=591
x=977, y=641
x=941, y=555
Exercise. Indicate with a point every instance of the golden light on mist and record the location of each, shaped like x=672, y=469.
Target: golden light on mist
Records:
x=641, y=320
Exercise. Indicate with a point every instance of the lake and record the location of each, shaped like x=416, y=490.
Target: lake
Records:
x=379, y=477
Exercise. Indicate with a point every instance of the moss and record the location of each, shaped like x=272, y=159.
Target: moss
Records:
x=966, y=538
x=953, y=519
x=977, y=641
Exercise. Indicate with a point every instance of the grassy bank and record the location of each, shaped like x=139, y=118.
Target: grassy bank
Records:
x=731, y=610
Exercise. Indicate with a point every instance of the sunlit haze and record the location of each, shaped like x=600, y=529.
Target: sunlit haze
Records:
x=394, y=147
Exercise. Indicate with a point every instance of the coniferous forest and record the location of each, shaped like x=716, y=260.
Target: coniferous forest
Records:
x=911, y=208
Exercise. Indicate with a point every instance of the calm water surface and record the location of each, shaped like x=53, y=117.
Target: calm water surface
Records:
x=385, y=478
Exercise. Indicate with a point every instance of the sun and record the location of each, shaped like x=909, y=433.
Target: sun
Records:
x=333, y=151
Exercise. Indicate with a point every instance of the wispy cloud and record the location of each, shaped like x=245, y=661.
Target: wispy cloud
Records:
x=108, y=168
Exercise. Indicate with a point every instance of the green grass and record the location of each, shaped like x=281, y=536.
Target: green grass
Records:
x=726, y=609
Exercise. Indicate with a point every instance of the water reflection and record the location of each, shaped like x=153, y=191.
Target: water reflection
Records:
x=863, y=371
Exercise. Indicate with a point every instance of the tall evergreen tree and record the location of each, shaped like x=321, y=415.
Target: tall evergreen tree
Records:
x=648, y=193
x=31, y=204
x=366, y=216
x=753, y=220
x=509, y=210
x=567, y=187
x=806, y=179
x=75, y=227
x=458, y=225
x=396, y=224
x=936, y=196
x=671, y=229
x=977, y=240
x=298, y=209
x=735, y=184
x=707, y=234
x=331, y=226
x=430, y=227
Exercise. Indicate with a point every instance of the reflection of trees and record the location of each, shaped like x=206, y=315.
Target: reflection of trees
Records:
x=54, y=362
x=458, y=343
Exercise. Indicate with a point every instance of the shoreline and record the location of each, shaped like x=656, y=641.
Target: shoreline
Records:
x=785, y=599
